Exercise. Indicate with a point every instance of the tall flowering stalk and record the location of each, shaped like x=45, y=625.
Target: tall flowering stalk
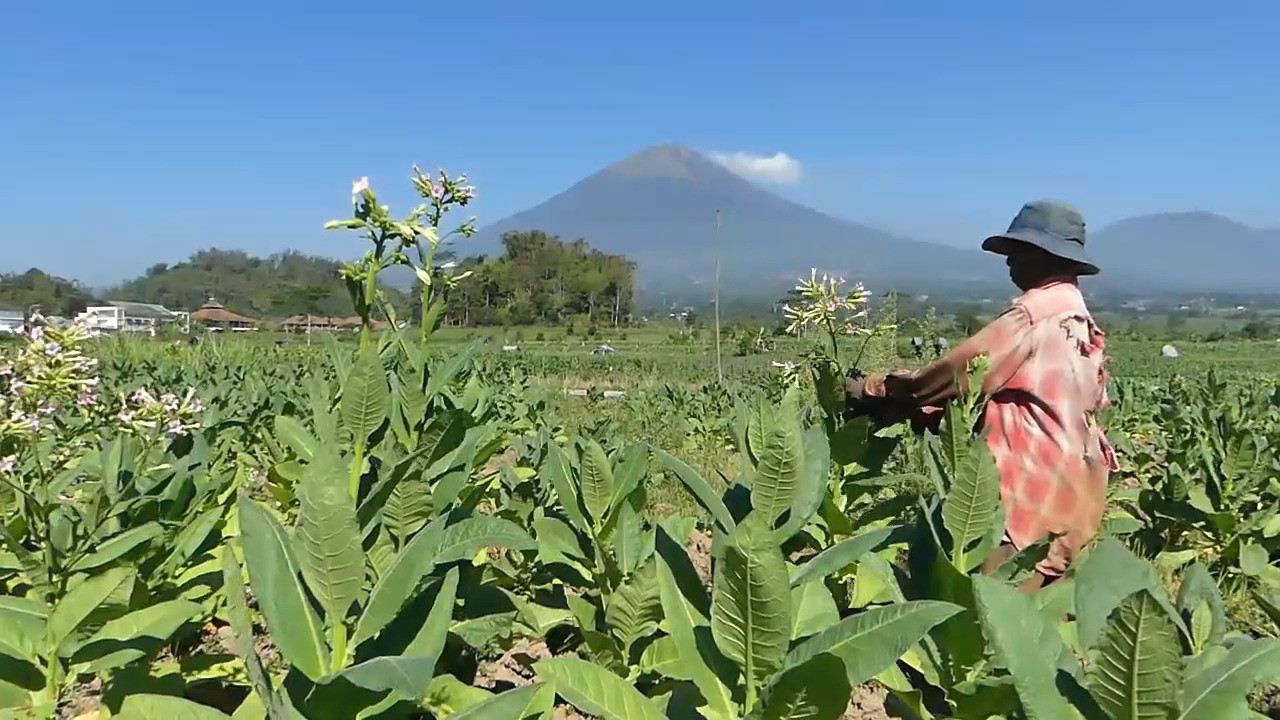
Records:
x=825, y=305
x=413, y=242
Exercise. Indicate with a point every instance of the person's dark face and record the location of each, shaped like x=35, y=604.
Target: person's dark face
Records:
x=1029, y=266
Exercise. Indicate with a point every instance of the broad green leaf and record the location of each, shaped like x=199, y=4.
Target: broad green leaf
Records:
x=662, y=656
x=447, y=696
x=970, y=508
x=871, y=641
x=682, y=623
x=117, y=546
x=135, y=635
x=463, y=539
x=778, y=471
x=1253, y=558
x=273, y=575
x=242, y=636
x=811, y=484
x=751, y=601
x=596, y=691
x=842, y=554
x=1136, y=672
x=1109, y=574
x=327, y=539
x=1014, y=628
x=397, y=585
x=595, y=480
x=629, y=472
x=630, y=541
x=817, y=689
x=1220, y=691
x=365, y=396
x=812, y=610
x=430, y=638
x=700, y=489
x=515, y=704
x=558, y=468
x=97, y=599
x=291, y=432
x=1198, y=589
x=634, y=609
x=150, y=707
x=22, y=624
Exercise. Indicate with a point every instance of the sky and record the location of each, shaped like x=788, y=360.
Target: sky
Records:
x=137, y=132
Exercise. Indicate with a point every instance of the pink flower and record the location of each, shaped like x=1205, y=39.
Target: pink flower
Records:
x=360, y=186
x=7, y=464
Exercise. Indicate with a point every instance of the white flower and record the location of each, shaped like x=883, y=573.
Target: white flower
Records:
x=360, y=185
x=449, y=265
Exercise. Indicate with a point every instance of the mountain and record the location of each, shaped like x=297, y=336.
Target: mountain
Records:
x=1190, y=250
x=657, y=207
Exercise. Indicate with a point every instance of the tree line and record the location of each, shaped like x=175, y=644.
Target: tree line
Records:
x=540, y=279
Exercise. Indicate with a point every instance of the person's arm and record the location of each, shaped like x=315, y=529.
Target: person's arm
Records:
x=935, y=383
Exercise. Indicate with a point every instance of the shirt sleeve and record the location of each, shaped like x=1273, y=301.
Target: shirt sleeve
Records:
x=1002, y=340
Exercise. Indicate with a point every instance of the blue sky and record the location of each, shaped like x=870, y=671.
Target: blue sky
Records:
x=137, y=132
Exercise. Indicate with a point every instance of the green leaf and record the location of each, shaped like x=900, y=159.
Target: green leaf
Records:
x=242, y=636
x=817, y=689
x=1014, y=629
x=515, y=704
x=1220, y=691
x=1137, y=667
x=97, y=599
x=873, y=640
x=273, y=575
x=596, y=691
x=970, y=508
x=559, y=470
x=776, y=475
x=634, y=610
x=700, y=489
x=595, y=478
x=463, y=539
x=812, y=610
x=135, y=635
x=1109, y=574
x=842, y=554
x=751, y=601
x=629, y=472
x=811, y=484
x=327, y=539
x=1198, y=589
x=22, y=624
x=1253, y=558
x=398, y=584
x=117, y=546
x=365, y=396
x=150, y=707
x=291, y=432
x=682, y=623
x=430, y=638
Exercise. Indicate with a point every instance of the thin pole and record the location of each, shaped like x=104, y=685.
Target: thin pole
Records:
x=719, y=365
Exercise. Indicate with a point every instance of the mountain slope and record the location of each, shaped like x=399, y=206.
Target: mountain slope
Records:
x=658, y=206
x=1190, y=250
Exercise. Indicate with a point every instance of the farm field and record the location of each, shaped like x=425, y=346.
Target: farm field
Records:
x=316, y=531
x=422, y=524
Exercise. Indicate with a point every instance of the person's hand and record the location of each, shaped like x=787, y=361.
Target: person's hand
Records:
x=858, y=401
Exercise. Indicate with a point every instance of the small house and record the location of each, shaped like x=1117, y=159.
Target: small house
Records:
x=217, y=318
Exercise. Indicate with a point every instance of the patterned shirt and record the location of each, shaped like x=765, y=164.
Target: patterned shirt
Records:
x=1046, y=383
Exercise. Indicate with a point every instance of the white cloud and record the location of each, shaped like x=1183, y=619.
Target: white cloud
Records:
x=779, y=168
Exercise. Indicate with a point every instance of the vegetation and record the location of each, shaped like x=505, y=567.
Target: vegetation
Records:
x=413, y=525
x=54, y=295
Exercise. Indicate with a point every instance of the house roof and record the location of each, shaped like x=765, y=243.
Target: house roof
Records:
x=212, y=311
x=146, y=311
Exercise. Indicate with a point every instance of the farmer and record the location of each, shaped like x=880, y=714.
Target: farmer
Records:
x=1045, y=384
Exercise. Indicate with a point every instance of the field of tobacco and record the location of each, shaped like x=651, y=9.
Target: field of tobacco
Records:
x=404, y=528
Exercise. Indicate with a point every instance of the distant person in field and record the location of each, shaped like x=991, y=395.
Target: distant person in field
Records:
x=1045, y=385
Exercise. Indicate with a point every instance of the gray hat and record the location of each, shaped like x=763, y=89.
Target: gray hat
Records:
x=1053, y=226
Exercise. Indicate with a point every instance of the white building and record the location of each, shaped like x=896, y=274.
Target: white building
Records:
x=11, y=322
x=130, y=317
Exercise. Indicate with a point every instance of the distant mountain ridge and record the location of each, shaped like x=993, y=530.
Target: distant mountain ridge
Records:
x=657, y=206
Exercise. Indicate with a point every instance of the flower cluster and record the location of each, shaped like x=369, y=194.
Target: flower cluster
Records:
x=824, y=305
x=48, y=377
x=142, y=411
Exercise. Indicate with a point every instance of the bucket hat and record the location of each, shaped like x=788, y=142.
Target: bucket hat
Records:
x=1051, y=225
